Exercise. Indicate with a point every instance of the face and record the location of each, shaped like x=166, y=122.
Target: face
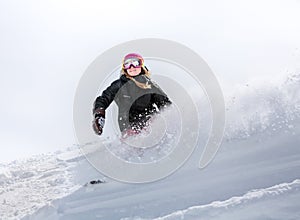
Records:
x=134, y=71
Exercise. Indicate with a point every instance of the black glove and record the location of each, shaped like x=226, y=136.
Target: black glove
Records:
x=99, y=121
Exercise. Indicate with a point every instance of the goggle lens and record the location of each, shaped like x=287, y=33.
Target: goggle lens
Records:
x=136, y=63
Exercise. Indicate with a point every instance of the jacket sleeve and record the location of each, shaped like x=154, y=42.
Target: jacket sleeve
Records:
x=107, y=96
x=159, y=97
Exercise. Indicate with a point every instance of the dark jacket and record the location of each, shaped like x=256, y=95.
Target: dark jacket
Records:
x=135, y=104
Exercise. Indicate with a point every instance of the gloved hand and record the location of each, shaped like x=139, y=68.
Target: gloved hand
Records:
x=99, y=121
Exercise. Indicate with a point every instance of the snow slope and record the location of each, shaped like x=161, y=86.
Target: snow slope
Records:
x=27, y=185
x=255, y=175
x=265, y=203
x=261, y=182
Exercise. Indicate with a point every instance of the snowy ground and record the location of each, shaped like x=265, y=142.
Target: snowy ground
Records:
x=255, y=175
x=27, y=185
x=240, y=184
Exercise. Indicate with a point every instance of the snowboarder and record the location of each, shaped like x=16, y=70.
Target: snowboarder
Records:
x=135, y=94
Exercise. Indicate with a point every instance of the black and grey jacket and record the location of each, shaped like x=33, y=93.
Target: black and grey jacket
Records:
x=135, y=104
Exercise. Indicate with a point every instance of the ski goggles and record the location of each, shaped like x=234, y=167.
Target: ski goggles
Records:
x=135, y=62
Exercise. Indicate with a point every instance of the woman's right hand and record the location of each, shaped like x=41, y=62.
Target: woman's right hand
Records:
x=99, y=121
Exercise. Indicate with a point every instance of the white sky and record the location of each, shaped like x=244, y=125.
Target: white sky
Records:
x=45, y=46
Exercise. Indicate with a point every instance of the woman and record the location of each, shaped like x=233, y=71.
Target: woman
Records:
x=136, y=96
